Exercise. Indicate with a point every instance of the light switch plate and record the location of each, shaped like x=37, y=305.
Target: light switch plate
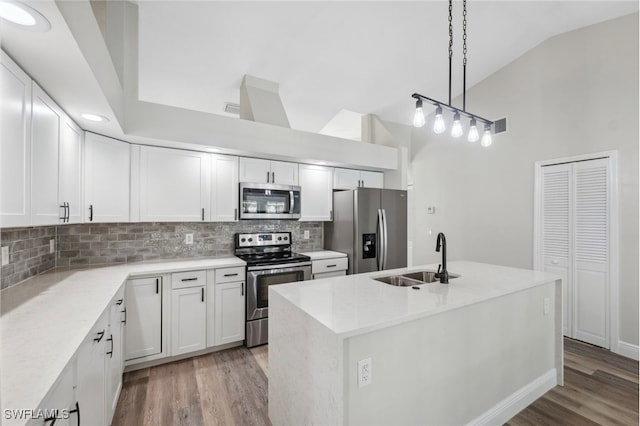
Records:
x=5, y=255
x=188, y=239
x=306, y=234
x=431, y=210
x=52, y=246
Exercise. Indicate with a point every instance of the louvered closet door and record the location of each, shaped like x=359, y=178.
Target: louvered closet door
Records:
x=591, y=252
x=556, y=232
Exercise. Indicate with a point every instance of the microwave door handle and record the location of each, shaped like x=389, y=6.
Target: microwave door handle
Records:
x=291, y=202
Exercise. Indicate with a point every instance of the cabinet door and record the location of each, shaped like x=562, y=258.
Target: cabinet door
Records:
x=254, y=170
x=284, y=173
x=143, y=330
x=372, y=179
x=45, y=135
x=91, y=375
x=174, y=185
x=316, y=183
x=70, y=191
x=188, y=320
x=224, y=188
x=106, y=171
x=115, y=354
x=15, y=149
x=346, y=178
x=60, y=397
x=230, y=317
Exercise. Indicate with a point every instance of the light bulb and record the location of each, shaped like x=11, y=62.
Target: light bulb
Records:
x=486, y=137
x=456, y=129
x=418, y=118
x=473, y=131
x=438, y=125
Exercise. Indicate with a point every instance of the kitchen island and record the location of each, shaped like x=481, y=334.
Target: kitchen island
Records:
x=476, y=350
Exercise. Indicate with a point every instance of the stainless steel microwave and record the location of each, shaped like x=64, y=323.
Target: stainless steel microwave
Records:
x=269, y=201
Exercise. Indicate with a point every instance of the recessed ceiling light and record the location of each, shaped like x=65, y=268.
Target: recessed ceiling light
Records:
x=94, y=117
x=18, y=13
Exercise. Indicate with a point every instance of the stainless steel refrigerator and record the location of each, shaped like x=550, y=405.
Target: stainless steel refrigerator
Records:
x=370, y=226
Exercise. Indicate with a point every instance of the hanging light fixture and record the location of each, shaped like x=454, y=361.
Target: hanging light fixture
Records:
x=439, y=125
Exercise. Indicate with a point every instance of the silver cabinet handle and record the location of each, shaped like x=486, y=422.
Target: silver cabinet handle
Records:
x=331, y=266
x=273, y=177
x=231, y=275
x=203, y=214
x=267, y=177
x=242, y=289
x=90, y=212
x=202, y=293
x=189, y=279
x=235, y=214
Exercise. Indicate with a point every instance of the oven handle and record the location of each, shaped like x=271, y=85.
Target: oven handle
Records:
x=278, y=266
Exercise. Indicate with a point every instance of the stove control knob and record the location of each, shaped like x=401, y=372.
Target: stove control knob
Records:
x=286, y=238
x=279, y=238
x=250, y=239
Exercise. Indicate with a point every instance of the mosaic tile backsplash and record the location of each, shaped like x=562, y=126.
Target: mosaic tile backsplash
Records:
x=110, y=243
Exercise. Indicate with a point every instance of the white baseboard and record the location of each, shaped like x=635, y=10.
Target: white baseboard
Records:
x=629, y=350
x=517, y=401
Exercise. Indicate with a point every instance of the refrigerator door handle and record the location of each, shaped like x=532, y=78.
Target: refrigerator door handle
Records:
x=386, y=239
x=381, y=241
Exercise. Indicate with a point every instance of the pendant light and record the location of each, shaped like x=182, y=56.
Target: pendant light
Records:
x=439, y=125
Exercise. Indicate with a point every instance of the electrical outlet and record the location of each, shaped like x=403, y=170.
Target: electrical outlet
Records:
x=306, y=234
x=431, y=210
x=188, y=239
x=546, y=305
x=5, y=255
x=364, y=372
x=52, y=246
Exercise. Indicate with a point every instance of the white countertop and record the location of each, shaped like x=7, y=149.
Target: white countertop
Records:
x=44, y=320
x=357, y=304
x=324, y=254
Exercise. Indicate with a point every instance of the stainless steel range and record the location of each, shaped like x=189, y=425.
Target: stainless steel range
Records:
x=270, y=261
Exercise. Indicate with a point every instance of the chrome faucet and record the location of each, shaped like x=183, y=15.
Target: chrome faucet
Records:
x=442, y=274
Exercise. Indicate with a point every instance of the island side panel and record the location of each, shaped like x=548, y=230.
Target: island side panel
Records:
x=305, y=368
x=461, y=366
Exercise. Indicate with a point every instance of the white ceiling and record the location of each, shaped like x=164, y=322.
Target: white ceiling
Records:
x=365, y=57
x=361, y=57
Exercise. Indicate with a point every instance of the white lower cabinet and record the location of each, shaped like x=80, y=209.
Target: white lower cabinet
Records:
x=115, y=353
x=326, y=268
x=188, y=312
x=60, y=402
x=143, y=330
x=91, y=374
x=229, y=313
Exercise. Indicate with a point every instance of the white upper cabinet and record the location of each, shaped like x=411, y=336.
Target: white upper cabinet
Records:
x=284, y=173
x=45, y=134
x=15, y=149
x=106, y=171
x=174, y=185
x=316, y=186
x=224, y=188
x=70, y=183
x=257, y=170
x=350, y=179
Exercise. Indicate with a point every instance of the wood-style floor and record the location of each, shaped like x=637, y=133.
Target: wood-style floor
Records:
x=230, y=388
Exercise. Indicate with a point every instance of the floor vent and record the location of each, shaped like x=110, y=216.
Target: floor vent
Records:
x=232, y=108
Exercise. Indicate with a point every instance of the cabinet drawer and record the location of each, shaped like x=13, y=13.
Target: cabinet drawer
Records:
x=188, y=279
x=227, y=275
x=329, y=265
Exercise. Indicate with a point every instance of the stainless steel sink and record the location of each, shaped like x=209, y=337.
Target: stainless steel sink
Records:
x=399, y=280
x=412, y=278
x=426, y=276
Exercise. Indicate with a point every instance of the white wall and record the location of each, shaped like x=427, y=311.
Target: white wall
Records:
x=575, y=93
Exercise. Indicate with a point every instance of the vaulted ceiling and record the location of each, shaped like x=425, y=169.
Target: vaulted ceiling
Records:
x=367, y=57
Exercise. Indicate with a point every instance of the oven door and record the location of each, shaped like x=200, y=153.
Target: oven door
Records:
x=259, y=278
